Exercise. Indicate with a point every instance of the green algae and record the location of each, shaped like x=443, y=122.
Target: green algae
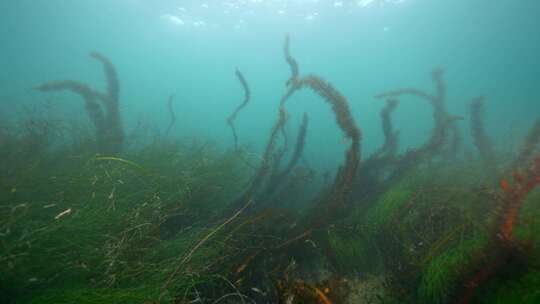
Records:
x=444, y=271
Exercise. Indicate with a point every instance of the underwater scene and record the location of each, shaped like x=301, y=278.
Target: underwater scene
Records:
x=269, y=151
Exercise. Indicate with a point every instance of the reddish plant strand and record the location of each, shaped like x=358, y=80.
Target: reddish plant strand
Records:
x=503, y=245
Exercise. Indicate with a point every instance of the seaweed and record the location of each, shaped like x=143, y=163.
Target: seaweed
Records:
x=443, y=122
x=172, y=115
x=390, y=145
x=456, y=141
x=346, y=173
x=375, y=165
x=440, y=116
x=529, y=145
x=247, y=97
x=105, y=117
x=502, y=249
x=278, y=176
x=445, y=270
x=180, y=222
x=270, y=158
x=293, y=64
x=298, y=148
x=480, y=138
x=344, y=119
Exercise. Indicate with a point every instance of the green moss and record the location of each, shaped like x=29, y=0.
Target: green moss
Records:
x=523, y=290
x=528, y=225
x=441, y=275
x=118, y=232
x=353, y=253
x=389, y=204
x=98, y=296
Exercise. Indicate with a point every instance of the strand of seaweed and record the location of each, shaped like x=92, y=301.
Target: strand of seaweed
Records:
x=345, y=121
x=279, y=177
x=390, y=145
x=443, y=121
x=269, y=157
x=333, y=201
x=385, y=166
x=293, y=64
x=479, y=135
x=247, y=97
x=502, y=245
x=172, y=115
x=105, y=117
x=298, y=148
x=456, y=141
x=383, y=158
x=385, y=155
x=530, y=145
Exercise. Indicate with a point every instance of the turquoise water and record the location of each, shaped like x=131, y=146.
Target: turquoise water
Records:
x=191, y=48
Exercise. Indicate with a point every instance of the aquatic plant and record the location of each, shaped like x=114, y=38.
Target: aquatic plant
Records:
x=442, y=120
x=445, y=270
x=247, y=97
x=120, y=224
x=343, y=117
x=515, y=196
x=530, y=145
x=345, y=121
x=176, y=223
x=456, y=141
x=377, y=164
x=104, y=116
x=480, y=138
x=522, y=290
x=270, y=158
x=502, y=247
x=172, y=115
x=390, y=145
x=279, y=176
x=293, y=64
